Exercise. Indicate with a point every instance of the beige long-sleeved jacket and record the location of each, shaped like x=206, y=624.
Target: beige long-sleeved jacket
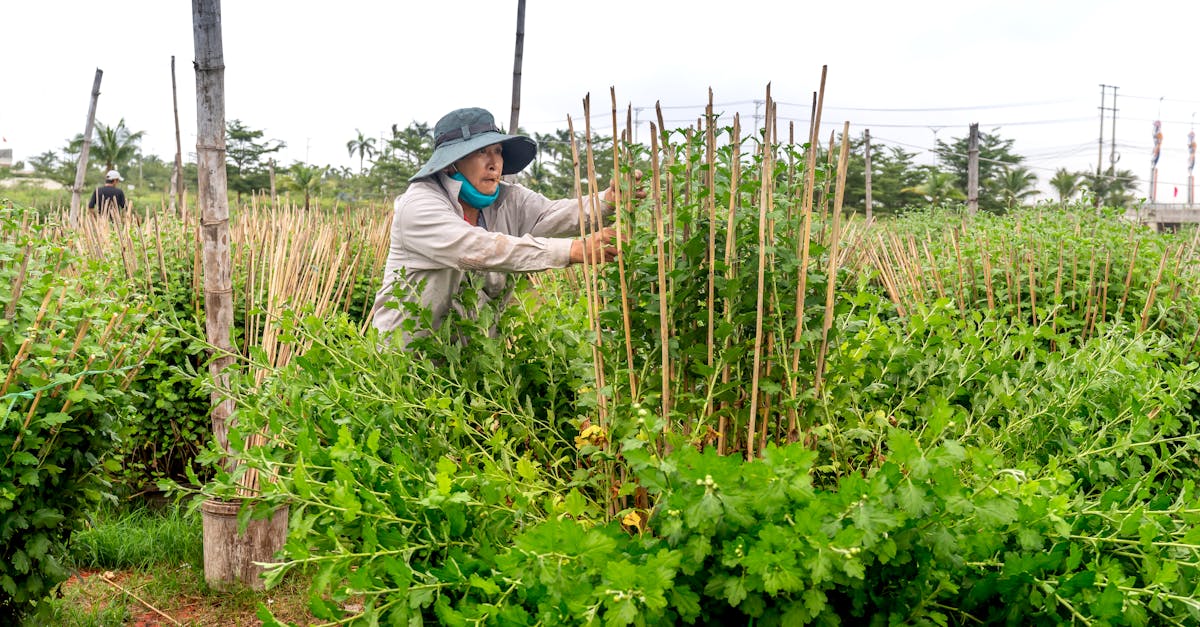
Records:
x=433, y=249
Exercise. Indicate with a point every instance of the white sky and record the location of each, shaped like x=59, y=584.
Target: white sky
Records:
x=311, y=73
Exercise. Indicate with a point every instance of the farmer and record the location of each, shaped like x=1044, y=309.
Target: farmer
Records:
x=458, y=223
x=109, y=197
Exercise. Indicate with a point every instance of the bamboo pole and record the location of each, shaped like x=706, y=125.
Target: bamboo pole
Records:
x=1128, y=279
x=621, y=235
x=589, y=284
x=805, y=238
x=594, y=201
x=831, y=274
x=758, y=307
x=659, y=243
x=730, y=242
x=81, y=165
x=1153, y=289
x=710, y=159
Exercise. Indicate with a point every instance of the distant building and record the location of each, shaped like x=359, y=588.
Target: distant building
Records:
x=5, y=157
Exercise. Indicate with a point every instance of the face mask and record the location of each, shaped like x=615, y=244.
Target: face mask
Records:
x=472, y=196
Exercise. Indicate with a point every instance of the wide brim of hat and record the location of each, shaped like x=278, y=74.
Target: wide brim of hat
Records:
x=519, y=152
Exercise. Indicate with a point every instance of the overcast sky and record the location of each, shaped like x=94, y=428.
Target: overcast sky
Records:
x=312, y=74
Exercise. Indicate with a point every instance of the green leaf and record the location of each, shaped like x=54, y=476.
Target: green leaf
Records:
x=575, y=503
x=912, y=499
x=526, y=469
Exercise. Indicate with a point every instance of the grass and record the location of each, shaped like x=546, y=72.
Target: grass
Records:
x=138, y=538
x=143, y=566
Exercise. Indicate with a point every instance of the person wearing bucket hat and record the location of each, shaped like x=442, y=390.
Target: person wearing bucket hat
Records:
x=460, y=223
x=109, y=197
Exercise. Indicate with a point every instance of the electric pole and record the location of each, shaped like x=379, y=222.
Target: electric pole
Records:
x=1112, y=141
x=1112, y=157
x=973, y=169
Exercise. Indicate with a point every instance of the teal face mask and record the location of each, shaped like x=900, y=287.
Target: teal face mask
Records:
x=472, y=196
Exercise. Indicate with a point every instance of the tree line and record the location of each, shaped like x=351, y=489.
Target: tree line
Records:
x=386, y=163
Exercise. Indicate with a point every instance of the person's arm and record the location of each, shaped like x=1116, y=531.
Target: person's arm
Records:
x=556, y=218
x=120, y=199
x=92, y=199
x=427, y=225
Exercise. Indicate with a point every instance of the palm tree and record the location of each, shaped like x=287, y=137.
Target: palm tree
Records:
x=1112, y=188
x=305, y=178
x=364, y=146
x=115, y=145
x=1065, y=184
x=1015, y=184
x=938, y=187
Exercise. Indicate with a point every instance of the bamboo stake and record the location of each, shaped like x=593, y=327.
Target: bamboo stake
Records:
x=594, y=201
x=621, y=234
x=806, y=234
x=730, y=242
x=758, y=307
x=1128, y=278
x=987, y=276
x=659, y=243
x=1092, y=292
x=1032, y=290
x=11, y=309
x=831, y=274
x=1162, y=264
x=1107, y=279
x=710, y=159
x=589, y=285
x=962, y=298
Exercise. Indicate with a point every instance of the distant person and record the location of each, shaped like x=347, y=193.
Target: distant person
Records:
x=459, y=226
x=109, y=197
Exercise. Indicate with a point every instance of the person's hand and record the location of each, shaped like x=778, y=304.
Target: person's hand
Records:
x=598, y=247
x=638, y=191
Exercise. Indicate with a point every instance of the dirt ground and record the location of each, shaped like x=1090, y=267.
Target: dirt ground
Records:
x=183, y=601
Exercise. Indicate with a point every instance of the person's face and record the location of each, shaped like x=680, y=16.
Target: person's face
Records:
x=483, y=168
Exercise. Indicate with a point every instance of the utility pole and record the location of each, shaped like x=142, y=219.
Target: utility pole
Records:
x=867, y=170
x=1112, y=141
x=1100, y=148
x=973, y=170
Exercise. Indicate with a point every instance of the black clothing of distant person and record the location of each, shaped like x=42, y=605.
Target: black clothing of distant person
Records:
x=109, y=197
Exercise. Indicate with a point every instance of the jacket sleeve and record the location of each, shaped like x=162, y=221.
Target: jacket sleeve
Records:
x=556, y=218
x=428, y=226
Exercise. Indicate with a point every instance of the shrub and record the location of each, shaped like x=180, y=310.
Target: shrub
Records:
x=70, y=342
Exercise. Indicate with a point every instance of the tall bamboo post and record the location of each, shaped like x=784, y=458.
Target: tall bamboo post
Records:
x=594, y=201
x=621, y=235
x=176, y=177
x=831, y=275
x=660, y=236
x=518, y=56
x=230, y=554
x=751, y=431
x=804, y=242
x=589, y=283
x=710, y=157
x=81, y=167
x=214, y=209
x=730, y=242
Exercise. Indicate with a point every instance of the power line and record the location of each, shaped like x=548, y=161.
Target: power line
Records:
x=934, y=109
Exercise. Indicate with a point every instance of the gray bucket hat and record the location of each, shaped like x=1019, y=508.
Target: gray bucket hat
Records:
x=463, y=131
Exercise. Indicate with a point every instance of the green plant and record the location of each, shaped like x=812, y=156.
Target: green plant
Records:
x=70, y=342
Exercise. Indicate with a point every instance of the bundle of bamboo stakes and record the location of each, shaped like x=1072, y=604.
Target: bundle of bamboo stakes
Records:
x=1038, y=281
x=125, y=317
x=284, y=259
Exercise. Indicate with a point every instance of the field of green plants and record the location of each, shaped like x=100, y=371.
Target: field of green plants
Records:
x=766, y=412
